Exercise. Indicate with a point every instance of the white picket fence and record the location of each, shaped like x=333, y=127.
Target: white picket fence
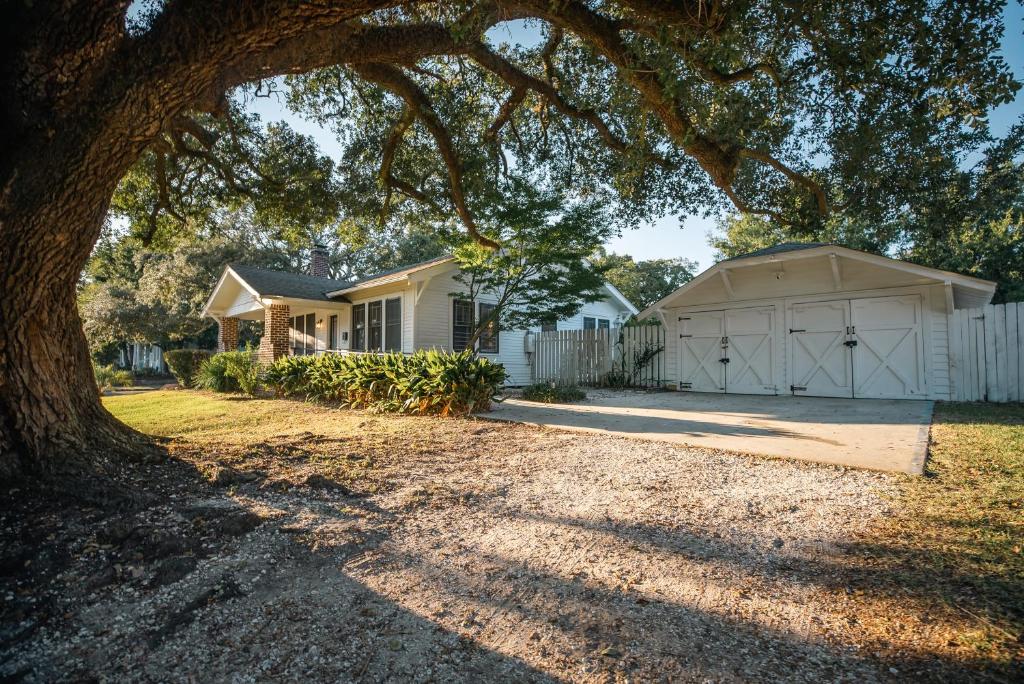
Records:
x=986, y=355
x=586, y=357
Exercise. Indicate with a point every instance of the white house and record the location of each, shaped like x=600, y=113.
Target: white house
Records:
x=401, y=310
x=815, y=319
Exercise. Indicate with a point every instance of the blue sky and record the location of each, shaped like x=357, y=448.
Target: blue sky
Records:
x=669, y=236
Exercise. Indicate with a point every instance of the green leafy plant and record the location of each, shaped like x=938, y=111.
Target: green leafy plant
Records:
x=237, y=371
x=244, y=368
x=551, y=393
x=109, y=376
x=185, y=363
x=427, y=382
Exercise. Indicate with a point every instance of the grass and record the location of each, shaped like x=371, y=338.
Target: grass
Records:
x=957, y=533
x=952, y=545
x=289, y=438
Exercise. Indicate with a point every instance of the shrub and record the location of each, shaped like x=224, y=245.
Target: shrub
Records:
x=185, y=363
x=109, y=376
x=244, y=368
x=550, y=393
x=434, y=382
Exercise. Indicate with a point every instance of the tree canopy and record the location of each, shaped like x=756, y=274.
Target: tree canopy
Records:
x=797, y=111
x=967, y=219
x=646, y=281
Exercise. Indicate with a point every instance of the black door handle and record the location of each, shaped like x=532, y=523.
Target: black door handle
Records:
x=724, y=360
x=850, y=343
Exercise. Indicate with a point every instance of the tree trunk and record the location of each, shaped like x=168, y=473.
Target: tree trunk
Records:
x=52, y=425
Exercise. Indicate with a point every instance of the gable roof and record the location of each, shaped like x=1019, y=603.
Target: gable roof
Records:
x=283, y=284
x=780, y=248
x=972, y=291
x=392, y=275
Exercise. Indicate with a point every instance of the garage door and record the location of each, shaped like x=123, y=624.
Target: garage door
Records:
x=871, y=348
x=888, y=360
x=728, y=351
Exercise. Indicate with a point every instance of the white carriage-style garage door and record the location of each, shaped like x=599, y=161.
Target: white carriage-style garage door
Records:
x=870, y=348
x=728, y=351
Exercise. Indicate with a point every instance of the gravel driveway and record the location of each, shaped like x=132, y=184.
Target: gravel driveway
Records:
x=528, y=555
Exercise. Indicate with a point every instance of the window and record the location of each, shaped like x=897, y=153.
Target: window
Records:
x=548, y=327
x=359, y=327
x=592, y=323
x=603, y=324
x=374, y=327
x=393, y=324
x=488, y=341
x=462, y=323
x=310, y=333
x=332, y=332
x=302, y=334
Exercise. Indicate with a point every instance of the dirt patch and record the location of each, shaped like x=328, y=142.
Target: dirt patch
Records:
x=467, y=551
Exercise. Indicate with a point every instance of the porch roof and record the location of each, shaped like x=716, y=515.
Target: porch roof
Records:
x=292, y=285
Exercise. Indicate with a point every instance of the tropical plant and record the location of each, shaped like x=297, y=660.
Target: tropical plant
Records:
x=236, y=371
x=426, y=382
x=185, y=363
x=110, y=376
x=553, y=393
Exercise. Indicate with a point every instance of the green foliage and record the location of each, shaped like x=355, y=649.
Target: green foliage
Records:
x=244, y=368
x=965, y=220
x=237, y=371
x=185, y=363
x=644, y=282
x=551, y=393
x=541, y=272
x=427, y=382
x=109, y=376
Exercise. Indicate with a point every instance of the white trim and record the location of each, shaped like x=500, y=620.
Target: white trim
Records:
x=727, y=283
x=220, y=282
x=837, y=275
x=391, y=278
x=969, y=282
x=383, y=299
x=621, y=297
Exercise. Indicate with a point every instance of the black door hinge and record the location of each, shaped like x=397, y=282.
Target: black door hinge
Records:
x=797, y=388
x=792, y=330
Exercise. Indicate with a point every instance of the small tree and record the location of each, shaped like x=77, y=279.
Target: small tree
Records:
x=541, y=273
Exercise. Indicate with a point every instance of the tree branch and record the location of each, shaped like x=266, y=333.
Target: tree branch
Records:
x=794, y=176
x=393, y=80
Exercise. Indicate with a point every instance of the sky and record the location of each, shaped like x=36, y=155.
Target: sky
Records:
x=669, y=236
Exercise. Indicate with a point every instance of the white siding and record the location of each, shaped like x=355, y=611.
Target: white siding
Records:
x=433, y=315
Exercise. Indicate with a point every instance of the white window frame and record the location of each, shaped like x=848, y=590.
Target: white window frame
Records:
x=383, y=299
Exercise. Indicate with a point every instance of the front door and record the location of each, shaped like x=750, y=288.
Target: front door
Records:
x=820, y=362
x=700, y=352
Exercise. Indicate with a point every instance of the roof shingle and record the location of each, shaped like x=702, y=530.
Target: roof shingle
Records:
x=779, y=249
x=283, y=284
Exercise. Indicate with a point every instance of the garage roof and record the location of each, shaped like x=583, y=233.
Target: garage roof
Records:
x=967, y=291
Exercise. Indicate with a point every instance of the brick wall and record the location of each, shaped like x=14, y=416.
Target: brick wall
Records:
x=274, y=343
x=227, y=334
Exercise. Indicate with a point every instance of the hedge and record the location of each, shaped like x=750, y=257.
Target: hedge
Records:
x=434, y=382
x=184, y=364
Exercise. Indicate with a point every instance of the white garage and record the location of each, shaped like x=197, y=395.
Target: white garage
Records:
x=815, y=319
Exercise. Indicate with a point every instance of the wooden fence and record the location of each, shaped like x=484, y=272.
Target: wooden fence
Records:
x=632, y=356
x=986, y=358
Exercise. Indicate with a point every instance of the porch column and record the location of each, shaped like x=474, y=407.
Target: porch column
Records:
x=274, y=343
x=227, y=334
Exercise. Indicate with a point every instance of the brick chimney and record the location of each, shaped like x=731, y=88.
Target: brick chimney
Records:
x=318, y=265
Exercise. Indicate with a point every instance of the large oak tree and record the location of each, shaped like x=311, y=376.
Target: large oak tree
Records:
x=794, y=110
